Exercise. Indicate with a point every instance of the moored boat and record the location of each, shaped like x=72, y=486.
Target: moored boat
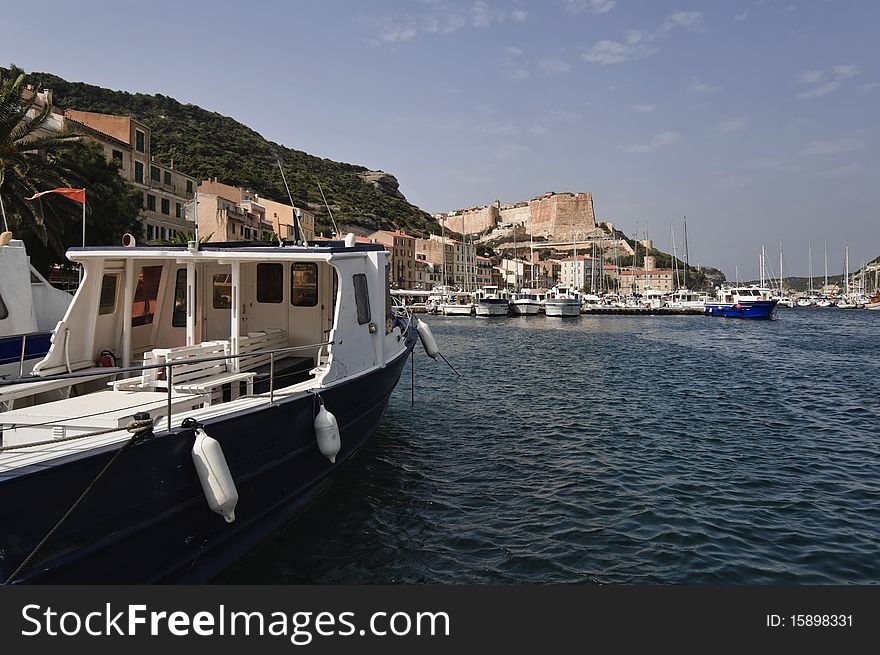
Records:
x=562, y=300
x=742, y=302
x=254, y=373
x=491, y=301
x=526, y=302
x=29, y=308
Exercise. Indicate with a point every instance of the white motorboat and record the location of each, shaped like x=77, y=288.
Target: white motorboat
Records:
x=562, y=300
x=526, y=302
x=30, y=308
x=459, y=303
x=687, y=299
x=491, y=301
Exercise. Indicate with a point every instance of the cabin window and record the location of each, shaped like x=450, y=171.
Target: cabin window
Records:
x=270, y=282
x=303, y=284
x=362, y=298
x=389, y=312
x=178, y=316
x=144, y=306
x=108, y=295
x=4, y=313
x=222, y=291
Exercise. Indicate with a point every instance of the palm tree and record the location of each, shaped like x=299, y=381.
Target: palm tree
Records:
x=183, y=238
x=31, y=160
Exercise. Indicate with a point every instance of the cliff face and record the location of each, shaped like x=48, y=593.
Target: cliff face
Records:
x=206, y=144
x=384, y=182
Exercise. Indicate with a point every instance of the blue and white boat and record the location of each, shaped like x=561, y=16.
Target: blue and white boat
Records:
x=247, y=375
x=30, y=308
x=742, y=302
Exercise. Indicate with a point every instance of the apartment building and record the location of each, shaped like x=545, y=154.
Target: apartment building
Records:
x=127, y=141
x=403, y=256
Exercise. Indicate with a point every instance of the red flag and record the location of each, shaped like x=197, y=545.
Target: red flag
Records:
x=78, y=195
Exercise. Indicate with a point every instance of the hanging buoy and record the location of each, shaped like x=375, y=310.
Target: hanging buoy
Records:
x=429, y=343
x=213, y=472
x=327, y=434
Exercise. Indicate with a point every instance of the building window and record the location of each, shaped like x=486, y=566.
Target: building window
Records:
x=362, y=298
x=247, y=233
x=189, y=186
x=107, y=304
x=177, y=209
x=117, y=156
x=164, y=233
x=166, y=177
x=303, y=284
x=166, y=206
x=154, y=173
x=144, y=306
x=222, y=291
x=139, y=172
x=151, y=232
x=139, y=141
x=270, y=283
x=151, y=202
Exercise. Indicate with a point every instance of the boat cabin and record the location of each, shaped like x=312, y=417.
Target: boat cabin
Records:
x=223, y=321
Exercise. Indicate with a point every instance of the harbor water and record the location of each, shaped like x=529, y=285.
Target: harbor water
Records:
x=611, y=449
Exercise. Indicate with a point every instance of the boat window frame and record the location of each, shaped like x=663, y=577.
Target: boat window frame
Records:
x=178, y=309
x=147, y=316
x=227, y=279
x=267, y=285
x=102, y=306
x=362, y=298
x=304, y=292
x=4, y=310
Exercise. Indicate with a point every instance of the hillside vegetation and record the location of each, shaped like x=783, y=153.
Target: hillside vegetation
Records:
x=206, y=144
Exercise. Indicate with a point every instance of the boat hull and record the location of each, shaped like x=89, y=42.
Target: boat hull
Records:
x=458, y=310
x=493, y=307
x=562, y=308
x=147, y=520
x=525, y=308
x=758, y=309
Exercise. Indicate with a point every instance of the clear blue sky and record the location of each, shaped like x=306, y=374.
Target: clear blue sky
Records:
x=757, y=120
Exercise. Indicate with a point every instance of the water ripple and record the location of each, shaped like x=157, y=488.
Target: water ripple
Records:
x=604, y=450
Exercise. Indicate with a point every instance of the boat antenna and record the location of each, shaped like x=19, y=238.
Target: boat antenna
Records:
x=323, y=197
x=298, y=236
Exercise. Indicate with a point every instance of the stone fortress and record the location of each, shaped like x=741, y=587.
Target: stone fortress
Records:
x=557, y=218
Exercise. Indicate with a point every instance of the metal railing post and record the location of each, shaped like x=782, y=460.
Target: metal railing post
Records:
x=271, y=377
x=169, y=375
x=21, y=361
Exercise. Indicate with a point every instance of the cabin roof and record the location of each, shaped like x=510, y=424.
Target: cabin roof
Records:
x=288, y=247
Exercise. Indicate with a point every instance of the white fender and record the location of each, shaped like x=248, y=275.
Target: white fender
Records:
x=213, y=472
x=327, y=434
x=429, y=343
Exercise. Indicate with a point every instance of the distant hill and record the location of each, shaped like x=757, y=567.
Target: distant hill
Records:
x=206, y=144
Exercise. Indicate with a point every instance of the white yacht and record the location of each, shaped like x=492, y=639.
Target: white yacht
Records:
x=459, y=303
x=687, y=299
x=562, y=300
x=526, y=302
x=492, y=301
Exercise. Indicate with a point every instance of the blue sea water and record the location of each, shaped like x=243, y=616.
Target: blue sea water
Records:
x=612, y=449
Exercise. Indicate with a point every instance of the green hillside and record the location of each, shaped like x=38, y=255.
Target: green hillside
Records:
x=206, y=144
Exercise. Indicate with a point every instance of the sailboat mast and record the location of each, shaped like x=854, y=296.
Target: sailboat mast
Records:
x=810, y=253
x=686, y=262
x=826, y=266
x=846, y=267
x=781, y=292
x=674, y=258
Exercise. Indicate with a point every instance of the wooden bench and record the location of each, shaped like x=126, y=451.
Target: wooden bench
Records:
x=258, y=343
x=201, y=377
x=288, y=369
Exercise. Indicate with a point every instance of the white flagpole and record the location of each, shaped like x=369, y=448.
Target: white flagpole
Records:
x=84, y=235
